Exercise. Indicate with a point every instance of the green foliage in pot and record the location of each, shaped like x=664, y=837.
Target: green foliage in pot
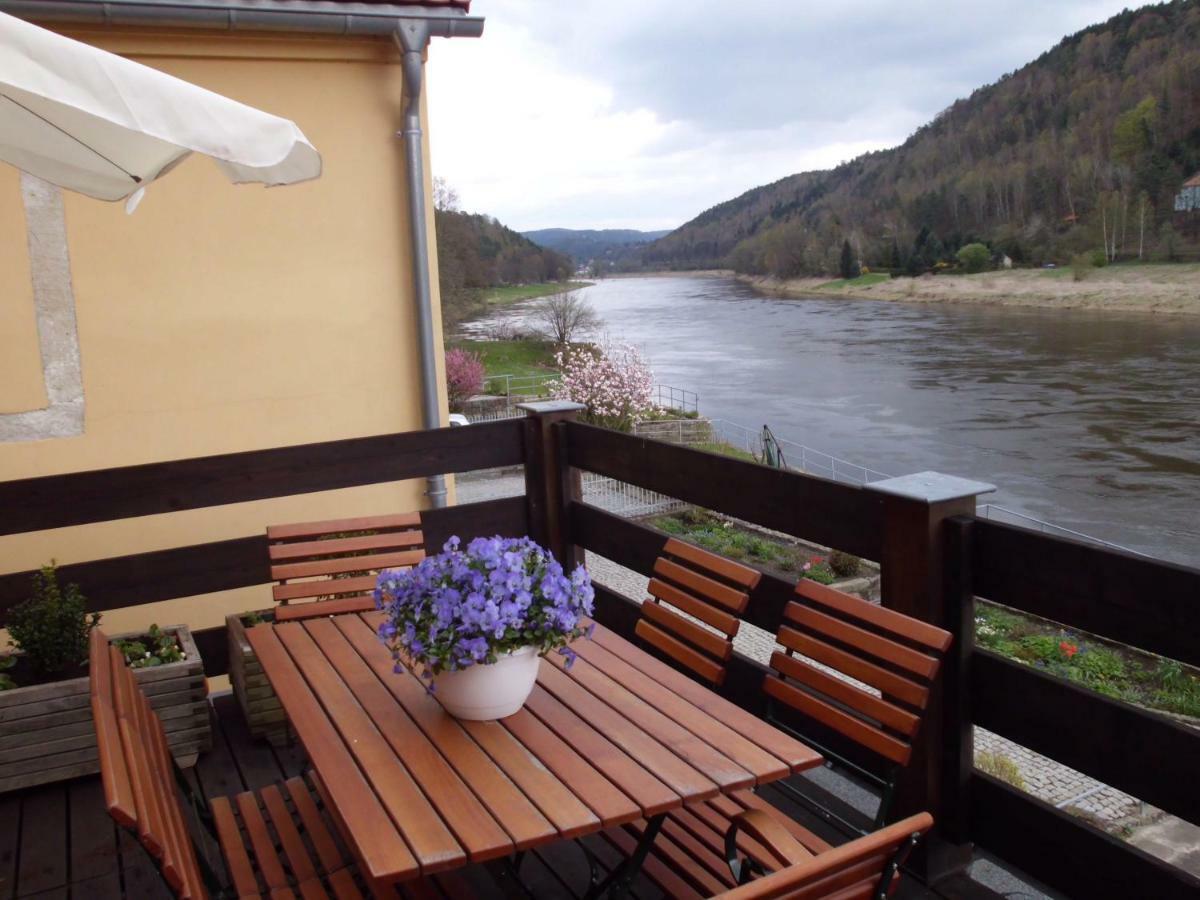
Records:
x=158, y=648
x=53, y=625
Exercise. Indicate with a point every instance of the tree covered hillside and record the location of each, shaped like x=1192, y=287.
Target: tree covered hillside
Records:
x=1081, y=151
x=476, y=252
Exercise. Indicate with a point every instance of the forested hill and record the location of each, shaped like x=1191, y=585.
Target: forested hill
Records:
x=585, y=246
x=1082, y=150
x=476, y=252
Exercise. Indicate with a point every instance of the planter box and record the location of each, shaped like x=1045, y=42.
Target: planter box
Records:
x=262, y=709
x=46, y=730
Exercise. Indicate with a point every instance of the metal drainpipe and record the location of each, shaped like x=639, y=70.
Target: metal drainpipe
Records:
x=413, y=38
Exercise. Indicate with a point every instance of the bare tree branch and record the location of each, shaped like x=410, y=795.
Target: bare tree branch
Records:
x=565, y=316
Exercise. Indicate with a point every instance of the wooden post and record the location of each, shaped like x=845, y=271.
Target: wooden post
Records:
x=550, y=485
x=913, y=564
x=959, y=732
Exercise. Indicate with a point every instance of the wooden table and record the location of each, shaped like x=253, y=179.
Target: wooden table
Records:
x=617, y=738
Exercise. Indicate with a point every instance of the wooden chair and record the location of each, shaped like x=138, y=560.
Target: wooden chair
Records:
x=866, y=867
x=331, y=566
x=857, y=669
x=690, y=582
x=263, y=839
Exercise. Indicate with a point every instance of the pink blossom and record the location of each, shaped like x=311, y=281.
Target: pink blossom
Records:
x=613, y=381
x=464, y=377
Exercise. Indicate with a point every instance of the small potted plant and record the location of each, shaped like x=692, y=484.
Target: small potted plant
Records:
x=475, y=621
x=47, y=732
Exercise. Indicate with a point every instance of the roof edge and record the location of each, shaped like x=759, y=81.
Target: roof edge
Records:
x=328, y=17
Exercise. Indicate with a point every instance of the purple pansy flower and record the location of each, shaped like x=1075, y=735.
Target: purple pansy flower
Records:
x=464, y=607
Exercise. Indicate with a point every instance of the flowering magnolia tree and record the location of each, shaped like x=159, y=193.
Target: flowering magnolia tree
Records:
x=465, y=607
x=613, y=381
x=464, y=377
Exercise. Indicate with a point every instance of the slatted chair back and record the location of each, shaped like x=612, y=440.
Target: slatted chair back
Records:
x=691, y=584
x=137, y=771
x=861, y=869
x=330, y=567
x=858, y=669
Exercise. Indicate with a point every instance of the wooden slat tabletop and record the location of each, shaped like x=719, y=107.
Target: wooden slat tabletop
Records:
x=617, y=738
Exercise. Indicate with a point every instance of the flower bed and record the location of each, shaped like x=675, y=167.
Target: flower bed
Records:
x=786, y=558
x=1104, y=666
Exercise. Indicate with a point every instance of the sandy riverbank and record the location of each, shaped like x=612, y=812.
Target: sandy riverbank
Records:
x=1166, y=288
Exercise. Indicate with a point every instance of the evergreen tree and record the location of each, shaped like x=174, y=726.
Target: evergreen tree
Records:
x=895, y=260
x=849, y=265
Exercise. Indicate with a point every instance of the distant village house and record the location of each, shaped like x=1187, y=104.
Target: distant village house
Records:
x=1188, y=198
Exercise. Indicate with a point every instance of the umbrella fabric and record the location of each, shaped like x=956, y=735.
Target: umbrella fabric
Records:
x=97, y=123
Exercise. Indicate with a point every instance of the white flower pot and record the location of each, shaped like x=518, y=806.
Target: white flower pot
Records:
x=490, y=691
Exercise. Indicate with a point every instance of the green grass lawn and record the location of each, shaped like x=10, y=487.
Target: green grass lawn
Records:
x=861, y=281
x=515, y=293
x=724, y=449
x=512, y=357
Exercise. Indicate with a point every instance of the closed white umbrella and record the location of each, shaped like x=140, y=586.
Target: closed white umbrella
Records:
x=94, y=122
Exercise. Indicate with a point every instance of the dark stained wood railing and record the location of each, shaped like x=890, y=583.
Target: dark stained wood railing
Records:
x=1130, y=599
x=1127, y=598
x=1149, y=604
x=827, y=512
x=57, y=501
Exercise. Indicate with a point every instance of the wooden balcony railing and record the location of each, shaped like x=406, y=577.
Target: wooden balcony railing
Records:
x=936, y=559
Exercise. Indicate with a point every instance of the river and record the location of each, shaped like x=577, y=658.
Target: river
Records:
x=1087, y=419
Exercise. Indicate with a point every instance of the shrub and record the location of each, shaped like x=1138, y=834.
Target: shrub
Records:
x=974, y=257
x=612, y=381
x=53, y=625
x=1099, y=258
x=464, y=377
x=845, y=565
x=1081, y=266
x=1000, y=766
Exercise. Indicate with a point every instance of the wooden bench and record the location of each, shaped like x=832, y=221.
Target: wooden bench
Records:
x=330, y=567
x=691, y=584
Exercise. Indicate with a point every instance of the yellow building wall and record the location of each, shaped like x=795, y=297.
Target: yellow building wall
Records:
x=221, y=318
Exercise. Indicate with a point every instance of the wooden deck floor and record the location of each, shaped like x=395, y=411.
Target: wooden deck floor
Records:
x=58, y=843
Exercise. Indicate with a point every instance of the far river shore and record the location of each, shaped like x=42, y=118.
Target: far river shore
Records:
x=1167, y=288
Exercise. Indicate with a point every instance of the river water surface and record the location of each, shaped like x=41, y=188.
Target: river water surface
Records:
x=1087, y=419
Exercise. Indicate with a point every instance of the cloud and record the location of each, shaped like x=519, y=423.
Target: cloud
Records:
x=643, y=113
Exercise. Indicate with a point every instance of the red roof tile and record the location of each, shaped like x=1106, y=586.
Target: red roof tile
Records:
x=1194, y=181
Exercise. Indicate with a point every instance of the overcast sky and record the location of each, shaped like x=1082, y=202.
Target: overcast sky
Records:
x=644, y=113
